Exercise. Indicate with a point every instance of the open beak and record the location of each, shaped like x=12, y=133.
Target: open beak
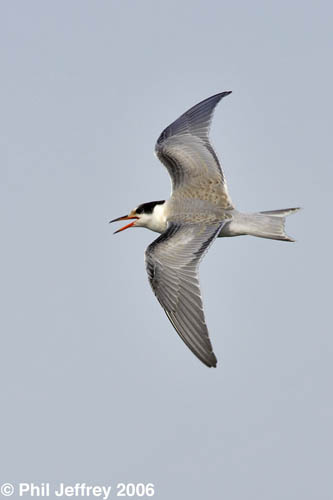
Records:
x=125, y=217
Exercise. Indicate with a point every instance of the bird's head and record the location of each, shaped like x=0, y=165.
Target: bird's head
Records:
x=145, y=215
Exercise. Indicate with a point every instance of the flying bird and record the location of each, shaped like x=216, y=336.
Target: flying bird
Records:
x=199, y=211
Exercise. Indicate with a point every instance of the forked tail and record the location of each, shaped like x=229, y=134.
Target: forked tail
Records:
x=269, y=224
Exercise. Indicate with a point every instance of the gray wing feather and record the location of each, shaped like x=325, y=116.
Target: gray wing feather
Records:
x=185, y=150
x=172, y=262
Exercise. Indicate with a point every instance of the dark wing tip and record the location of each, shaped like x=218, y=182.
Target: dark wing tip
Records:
x=212, y=362
x=199, y=114
x=216, y=97
x=208, y=360
x=222, y=94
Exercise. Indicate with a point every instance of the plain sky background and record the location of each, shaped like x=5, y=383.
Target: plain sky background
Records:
x=95, y=384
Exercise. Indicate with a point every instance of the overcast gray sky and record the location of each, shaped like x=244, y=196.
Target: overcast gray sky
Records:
x=95, y=384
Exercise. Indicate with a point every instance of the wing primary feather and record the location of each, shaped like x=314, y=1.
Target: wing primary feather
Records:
x=172, y=262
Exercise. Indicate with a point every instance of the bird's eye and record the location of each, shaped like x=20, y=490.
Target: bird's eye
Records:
x=139, y=210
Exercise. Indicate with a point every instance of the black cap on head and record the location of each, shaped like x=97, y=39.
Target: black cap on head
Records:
x=148, y=208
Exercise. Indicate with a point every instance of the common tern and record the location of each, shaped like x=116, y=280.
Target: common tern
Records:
x=199, y=211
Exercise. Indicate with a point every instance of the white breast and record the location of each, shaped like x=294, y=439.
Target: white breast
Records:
x=157, y=220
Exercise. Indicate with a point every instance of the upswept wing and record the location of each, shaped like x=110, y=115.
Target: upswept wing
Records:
x=185, y=150
x=172, y=262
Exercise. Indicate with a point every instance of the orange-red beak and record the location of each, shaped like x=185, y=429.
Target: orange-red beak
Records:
x=125, y=217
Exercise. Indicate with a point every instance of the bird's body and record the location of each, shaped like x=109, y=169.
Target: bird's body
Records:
x=238, y=223
x=199, y=210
